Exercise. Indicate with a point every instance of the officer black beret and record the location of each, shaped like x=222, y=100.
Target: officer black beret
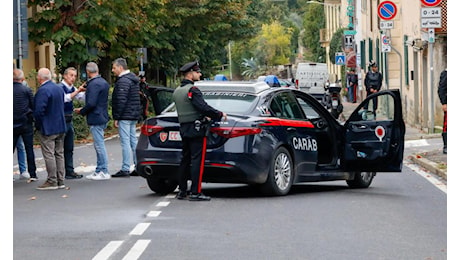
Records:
x=191, y=66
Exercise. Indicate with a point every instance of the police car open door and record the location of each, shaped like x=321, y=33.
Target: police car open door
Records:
x=161, y=98
x=374, y=135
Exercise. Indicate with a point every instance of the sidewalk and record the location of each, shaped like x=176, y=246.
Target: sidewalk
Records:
x=434, y=161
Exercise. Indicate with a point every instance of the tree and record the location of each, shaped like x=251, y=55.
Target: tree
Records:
x=336, y=44
x=314, y=20
x=174, y=31
x=273, y=44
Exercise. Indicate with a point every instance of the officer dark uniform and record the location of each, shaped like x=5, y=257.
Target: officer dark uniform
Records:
x=373, y=83
x=192, y=110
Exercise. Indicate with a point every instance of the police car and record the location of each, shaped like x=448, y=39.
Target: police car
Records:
x=274, y=138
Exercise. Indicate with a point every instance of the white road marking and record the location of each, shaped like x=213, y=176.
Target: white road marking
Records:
x=427, y=176
x=170, y=196
x=415, y=143
x=153, y=213
x=108, y=250
x=139, y=229
x=136, y=251
x=163, y=203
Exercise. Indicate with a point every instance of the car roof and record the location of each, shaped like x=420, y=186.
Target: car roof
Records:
x=233, y=86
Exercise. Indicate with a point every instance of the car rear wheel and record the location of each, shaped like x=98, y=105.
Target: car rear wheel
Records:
x=161, y=185
x=281, y=175
x=361, y=180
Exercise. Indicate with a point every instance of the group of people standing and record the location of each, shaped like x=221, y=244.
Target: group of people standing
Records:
x=50, y=111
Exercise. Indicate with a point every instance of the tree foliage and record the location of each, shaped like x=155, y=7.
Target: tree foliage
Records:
x=313, y=21
x=173, y=31
x=336, y=44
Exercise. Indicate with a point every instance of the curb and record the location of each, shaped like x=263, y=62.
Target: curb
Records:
x=430, y=166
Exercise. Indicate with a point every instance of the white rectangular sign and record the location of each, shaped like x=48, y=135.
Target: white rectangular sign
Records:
x=386, y=24
x=431, y=22
x=431, y=12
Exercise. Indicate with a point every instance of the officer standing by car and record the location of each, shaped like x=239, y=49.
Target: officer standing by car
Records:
x=192, y=112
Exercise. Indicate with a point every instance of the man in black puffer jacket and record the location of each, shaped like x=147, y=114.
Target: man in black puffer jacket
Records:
x=125, y=112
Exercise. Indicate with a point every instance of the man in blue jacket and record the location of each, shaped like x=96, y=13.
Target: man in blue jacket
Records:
x=97, y=117
x=125, y=112
x=50, y=122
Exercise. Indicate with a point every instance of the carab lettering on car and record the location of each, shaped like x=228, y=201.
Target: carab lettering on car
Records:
x=305, y=144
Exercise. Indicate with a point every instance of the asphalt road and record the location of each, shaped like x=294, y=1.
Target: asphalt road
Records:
x=401, y=216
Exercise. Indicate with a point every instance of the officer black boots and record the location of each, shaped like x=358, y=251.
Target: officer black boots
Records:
x=444, y=140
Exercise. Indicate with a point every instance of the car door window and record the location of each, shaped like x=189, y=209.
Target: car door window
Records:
x=284, y=105
x=378, y=108
x=307, y=109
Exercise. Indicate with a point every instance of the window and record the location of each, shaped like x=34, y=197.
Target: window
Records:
x=284, y=105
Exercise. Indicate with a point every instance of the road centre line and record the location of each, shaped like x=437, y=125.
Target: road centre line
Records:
x=136, y=251
x=139, y=229
x=153, y=213
x=163, y=203
x=108, y=250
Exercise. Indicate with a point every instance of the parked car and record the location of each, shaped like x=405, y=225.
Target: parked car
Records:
x=274, y=138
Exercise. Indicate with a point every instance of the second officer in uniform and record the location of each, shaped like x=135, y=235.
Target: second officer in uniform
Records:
x=192, y=111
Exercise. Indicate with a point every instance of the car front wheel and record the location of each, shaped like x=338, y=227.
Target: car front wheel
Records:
x=281, y=175
x=361, y=180
x=161, y=185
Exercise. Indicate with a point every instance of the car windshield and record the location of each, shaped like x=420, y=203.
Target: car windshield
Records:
x=230, y=102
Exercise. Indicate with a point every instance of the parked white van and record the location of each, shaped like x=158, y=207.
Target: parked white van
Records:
x=311, y=78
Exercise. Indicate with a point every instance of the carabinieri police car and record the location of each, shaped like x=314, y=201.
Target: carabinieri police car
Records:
x=275, y=138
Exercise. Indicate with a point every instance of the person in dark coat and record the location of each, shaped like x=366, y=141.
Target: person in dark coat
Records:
x=51, y=125
x=373, y=83
x=23, y=104
x=126, y=104
x=442, y=93
x=352, y=85
x=97, y=117
x=191, y=110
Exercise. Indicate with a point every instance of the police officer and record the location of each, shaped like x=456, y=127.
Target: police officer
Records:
x=192, y=110
x=373, y=83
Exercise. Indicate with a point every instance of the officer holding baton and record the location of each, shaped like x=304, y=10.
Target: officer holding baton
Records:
x=192, y=112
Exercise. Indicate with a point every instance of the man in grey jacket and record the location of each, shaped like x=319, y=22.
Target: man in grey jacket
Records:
x=125, y=112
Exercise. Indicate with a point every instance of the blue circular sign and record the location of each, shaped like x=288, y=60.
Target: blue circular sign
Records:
x=431, y=3
x=387, y=10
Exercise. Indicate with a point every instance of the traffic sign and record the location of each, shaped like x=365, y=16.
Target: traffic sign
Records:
x=349, y=32
x=387, y=10
x=386, y=47
x=339, y=58
x=386, y=25
x=431, y=3
x=430, y=12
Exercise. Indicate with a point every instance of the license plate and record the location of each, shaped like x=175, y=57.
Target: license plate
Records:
x=335, y=103
x=174, y=136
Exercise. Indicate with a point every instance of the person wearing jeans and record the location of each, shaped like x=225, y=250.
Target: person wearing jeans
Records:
x=21, y=153
x=97, y=131
x=97, y=117
x=128, y=139
x=23, y=126
x=126, y=112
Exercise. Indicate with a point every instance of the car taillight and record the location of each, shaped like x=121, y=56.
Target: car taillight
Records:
x=231, y=132
x=149, y=130
x=297, y=83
